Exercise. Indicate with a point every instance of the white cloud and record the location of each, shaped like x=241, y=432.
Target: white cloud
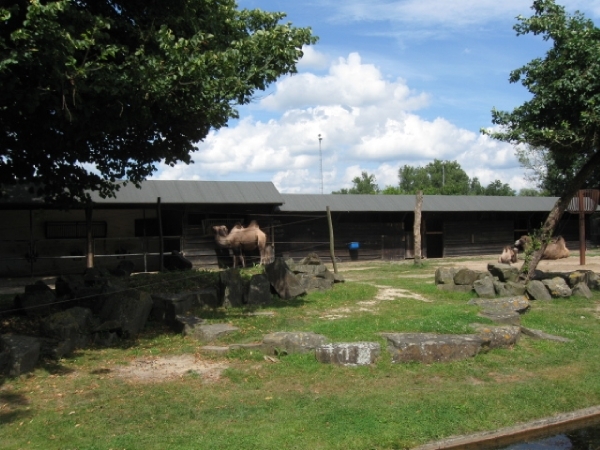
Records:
x=349, y=83
x=366, y=123
x=313, y=59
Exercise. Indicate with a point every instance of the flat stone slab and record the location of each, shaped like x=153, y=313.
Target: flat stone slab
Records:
x=517, y=303
x=538, y=334
x=293, y=342
x=498, y=336
x=187, y=325
x=215, y=349
x=502, y=317
x=430, y=347
x=349, y=353
x=211, y=332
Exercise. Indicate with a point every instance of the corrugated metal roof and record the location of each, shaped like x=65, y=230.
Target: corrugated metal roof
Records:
x=431, y=203
x=196, y=192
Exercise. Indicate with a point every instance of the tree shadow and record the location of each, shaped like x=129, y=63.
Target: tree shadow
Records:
x=12, y=407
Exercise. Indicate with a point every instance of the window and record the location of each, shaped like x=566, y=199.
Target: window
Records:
x=74, y=230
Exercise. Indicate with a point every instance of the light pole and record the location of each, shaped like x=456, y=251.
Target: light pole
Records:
x=321, y=162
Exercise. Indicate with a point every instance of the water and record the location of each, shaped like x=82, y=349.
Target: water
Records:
x=587, y=438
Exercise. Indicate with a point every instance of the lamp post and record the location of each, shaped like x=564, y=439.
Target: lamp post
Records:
x=321, y=162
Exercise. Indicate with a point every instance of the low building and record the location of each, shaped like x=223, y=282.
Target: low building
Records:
x=165, y=216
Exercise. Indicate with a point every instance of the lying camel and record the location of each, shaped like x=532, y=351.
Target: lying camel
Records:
x=508, y=255
x=556, y=248
x=241, y=239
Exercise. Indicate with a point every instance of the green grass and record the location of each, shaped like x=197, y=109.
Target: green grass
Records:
x=298, y=403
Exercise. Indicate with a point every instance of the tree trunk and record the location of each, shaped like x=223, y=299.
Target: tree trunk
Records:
x=89, y=253
x=417, y=227
x=527, y=271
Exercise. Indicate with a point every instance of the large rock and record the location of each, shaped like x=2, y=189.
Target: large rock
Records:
x=536, y=290
x=348, y=353
x=558, y=287
x=176, y=261
x=18, y=354
x=508, y=288
x=579, y=276
x=429, y=347
x=466, y=277
x=504, y=272
x=293, y=342
x=166, y=306
x=593, y=281
x=485, y=287
x=518, y=304
x=68, y=285
x=286, y=284
x=232, y=288
x=129, y=309
x=455, y=287
x=37, y=300
x=498, y=336
x=124, y=269
x=515, y=288
x=445, y=275
x=582, y=290
x=71, y=328
x=187, y=325
x=258, y=291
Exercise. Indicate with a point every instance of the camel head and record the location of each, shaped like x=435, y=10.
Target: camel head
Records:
x=220, y=230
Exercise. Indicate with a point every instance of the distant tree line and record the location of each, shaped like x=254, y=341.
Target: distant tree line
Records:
x=436, y=178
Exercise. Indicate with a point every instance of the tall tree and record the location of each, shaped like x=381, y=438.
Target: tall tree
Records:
x=365, y=184
x=498, y=188
x=437, y=177
x=563, y=115
x=102, y=90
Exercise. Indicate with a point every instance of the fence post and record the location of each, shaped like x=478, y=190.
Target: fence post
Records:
x=331, y=246
x=161, y=244
x=417, y=227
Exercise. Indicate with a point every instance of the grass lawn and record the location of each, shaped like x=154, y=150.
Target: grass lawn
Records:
x=297, y=403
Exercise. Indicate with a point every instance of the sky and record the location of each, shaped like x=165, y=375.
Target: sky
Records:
x=389, y=83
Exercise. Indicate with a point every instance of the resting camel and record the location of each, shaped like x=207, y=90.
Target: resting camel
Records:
x=508, y=255
x=241, y=239
x=556, y=248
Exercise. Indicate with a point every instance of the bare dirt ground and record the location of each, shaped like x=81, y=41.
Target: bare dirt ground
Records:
x=154, y=369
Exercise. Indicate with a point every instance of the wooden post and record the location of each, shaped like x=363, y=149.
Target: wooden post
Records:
x=417, y=227
x=89, y=261
x=581, y=229
x=31, y=244
x=331, y=246
x=161, y=244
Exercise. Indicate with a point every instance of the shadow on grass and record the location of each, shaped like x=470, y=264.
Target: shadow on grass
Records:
x=12, y=407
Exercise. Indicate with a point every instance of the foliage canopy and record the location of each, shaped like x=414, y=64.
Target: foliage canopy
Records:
x=365, y=184
x=562, y=118
x=98, y=91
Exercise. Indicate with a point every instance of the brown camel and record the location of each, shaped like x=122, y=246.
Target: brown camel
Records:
x=556, y=248
x=241, y=239
x=508, y=255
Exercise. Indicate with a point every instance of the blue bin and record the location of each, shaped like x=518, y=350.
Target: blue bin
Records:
x=353, y=248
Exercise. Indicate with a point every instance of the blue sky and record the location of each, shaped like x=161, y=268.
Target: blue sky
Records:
x=389, y=83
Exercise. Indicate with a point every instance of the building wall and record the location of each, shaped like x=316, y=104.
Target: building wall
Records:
x=26, y=250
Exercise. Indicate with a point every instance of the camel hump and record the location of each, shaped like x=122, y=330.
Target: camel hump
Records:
x=253, y=224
